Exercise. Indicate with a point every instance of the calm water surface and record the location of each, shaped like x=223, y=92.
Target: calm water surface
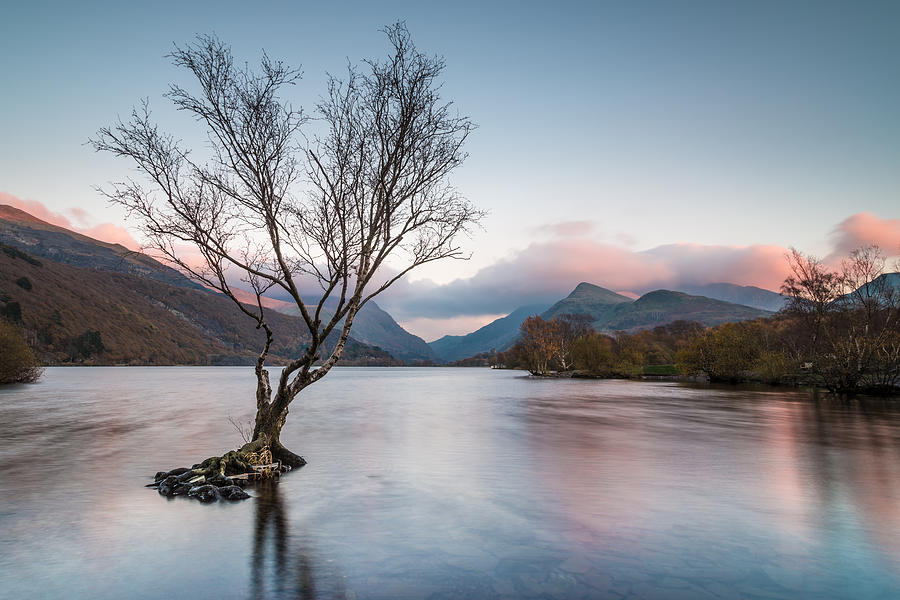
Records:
x=450, y=483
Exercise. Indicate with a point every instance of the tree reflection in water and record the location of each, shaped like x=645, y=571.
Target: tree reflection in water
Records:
x=293, y=571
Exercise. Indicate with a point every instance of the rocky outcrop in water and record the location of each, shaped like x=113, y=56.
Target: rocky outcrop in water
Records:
x=183, y=482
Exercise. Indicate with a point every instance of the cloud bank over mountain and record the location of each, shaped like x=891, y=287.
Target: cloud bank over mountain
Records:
x=562, y=255
x=547, y=270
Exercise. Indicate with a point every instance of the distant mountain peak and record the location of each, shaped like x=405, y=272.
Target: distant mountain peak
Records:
x=589, y=290
x=663, y=295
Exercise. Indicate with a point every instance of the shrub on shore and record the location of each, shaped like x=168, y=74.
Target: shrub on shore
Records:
x=17, y=361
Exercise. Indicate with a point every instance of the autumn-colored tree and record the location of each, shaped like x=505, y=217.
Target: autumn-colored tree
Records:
x=540, y=344
x=725, y=353
x=593, y=354
x=569, y=328
x=17, y=362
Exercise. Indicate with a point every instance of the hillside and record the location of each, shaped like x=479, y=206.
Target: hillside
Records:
x=496, y=335
x=375, y=327
x=661, y=307
x=748, y=295
x=68, y=313
x=21, y=230
x=80, y=300
x=588, y=299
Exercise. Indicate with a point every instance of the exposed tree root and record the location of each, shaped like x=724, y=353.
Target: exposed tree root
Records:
x=214, y=478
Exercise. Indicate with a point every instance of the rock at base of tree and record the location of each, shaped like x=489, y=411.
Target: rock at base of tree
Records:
x=204, y=493
x=187, y=482
x=233, y=492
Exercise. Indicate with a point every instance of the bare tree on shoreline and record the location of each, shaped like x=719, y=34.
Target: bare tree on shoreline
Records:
x=283, y=210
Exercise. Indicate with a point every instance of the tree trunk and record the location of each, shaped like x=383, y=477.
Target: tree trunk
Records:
x=267, y=432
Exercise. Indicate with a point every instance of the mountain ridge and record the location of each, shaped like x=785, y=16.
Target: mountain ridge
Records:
x=611, y=312
x=45, y=240
x=499, y=335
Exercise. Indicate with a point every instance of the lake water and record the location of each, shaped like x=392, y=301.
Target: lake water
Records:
x=450, y=483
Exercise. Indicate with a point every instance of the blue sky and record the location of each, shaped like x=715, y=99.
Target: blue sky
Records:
x=717, y=124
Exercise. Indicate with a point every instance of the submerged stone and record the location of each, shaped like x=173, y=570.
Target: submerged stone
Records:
x=186, y=475
x=204, y=493
x=178, y=471
x=218, y=480
x=167, y=485
x=233, y=492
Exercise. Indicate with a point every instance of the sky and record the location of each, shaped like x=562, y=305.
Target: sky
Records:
x=633, y=145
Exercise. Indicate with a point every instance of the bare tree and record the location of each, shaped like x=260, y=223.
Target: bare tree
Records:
x=850, y=320
x=315, y=217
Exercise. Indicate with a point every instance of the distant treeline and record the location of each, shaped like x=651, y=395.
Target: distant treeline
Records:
x=839, y=330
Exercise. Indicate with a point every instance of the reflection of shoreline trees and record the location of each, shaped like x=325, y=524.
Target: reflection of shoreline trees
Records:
x=866, y=473
x=840, y=330
x=294, y=569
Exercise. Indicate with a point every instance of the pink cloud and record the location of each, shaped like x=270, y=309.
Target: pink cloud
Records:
x=36, y=209
x=863, y=229
x=80, y=215
x=105, y=232
x=113, y=234
x=548, y=270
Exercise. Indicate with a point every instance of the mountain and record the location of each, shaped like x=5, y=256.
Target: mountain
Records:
x=118, y=307
x=885, y=287
x=664, y=306
x=69, y=313
x=588, y=299
x=21, y=230
x=747, y=295
x=375, y=327
x=609, y=312
x=496, y=335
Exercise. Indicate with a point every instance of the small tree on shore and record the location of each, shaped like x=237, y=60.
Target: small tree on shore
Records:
x=315, y=217
x=17, y=362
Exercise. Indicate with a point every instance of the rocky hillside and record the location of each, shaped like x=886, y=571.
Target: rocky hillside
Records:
x=38, y=238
